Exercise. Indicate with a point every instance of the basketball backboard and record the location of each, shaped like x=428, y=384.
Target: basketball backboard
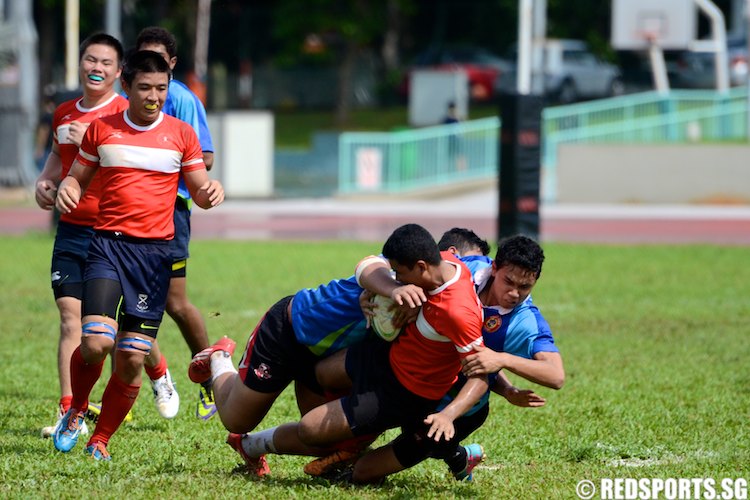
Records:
x=637, y=24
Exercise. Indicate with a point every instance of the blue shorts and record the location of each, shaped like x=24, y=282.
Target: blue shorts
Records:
x=179, y=244
x=378, y=401
x=142, y=267
x=69, y=259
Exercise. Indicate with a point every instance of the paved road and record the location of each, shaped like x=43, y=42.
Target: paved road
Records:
x=374, y=219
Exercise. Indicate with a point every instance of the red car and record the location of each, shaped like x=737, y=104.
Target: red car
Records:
x=482, y=67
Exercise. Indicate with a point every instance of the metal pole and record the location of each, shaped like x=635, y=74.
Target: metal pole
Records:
x=719, y=43
x=539, y=35
x=72, y=12
x=747, y=35
x=523, y=77
x=203, y=24
x=28, y=64
x=112, y=18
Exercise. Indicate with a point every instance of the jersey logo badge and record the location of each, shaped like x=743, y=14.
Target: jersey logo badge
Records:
x=492, y=324
x=263, y=372
x=142, y=305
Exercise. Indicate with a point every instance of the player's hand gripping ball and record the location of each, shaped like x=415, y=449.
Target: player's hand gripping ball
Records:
x=382, y=322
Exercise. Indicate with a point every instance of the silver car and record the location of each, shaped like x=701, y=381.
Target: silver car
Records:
x=572, y=73
x=696, y=69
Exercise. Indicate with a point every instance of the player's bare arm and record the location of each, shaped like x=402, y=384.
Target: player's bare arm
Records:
x=441, y=424
x=206, y=193
x=46, y=184
x=73, y=186
x=524, y=398
x=374, y=274
x=77, y=131
x=208, y=159
x=546, y=368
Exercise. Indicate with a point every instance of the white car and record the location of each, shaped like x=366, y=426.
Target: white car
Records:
x=572, y=73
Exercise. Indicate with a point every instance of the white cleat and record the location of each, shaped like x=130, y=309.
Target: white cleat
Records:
x=166, y=399
x=48, y=431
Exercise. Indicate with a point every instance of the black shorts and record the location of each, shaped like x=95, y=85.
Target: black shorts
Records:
x=413, y=446
x=274, y=357
x=142, y=267
x=69, y=259
x=179, y=245
x=378, y=400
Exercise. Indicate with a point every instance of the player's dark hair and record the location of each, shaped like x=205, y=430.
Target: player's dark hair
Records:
x=156, y=34
x=520, y=251
x=464, y=240
x=102, y=39
x=143, y=61
x=410, y=243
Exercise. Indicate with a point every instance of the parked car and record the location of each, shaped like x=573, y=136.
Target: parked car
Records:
x=696, y=69
x=482, y=68
x=571, y=73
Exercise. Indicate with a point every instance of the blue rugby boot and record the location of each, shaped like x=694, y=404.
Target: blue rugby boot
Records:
x=66, y=434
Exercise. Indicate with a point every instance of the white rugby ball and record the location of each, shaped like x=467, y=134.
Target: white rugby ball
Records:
x=382, y=322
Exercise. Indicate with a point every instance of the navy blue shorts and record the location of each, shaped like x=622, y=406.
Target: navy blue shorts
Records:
x=142, y=267
x=378, y=400
x=69, y=259
x=274, y=357
x=179, y=244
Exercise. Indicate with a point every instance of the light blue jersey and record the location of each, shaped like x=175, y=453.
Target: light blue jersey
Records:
x=522, y=331
x=182, y=103
x=328, y=318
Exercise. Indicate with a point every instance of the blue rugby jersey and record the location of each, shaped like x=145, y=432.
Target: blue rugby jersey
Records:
x=476, y=262
x=522, y=331
x=182, y=103
x=328, y=318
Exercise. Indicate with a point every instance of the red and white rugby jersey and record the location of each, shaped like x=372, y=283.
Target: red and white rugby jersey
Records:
x=73, y=110
x=139, y=168
x=426, y=356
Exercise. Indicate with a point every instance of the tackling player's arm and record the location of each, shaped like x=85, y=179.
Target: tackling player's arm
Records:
x=546, y=368
x=519, y=397
x=49, y=178
x=374, y=274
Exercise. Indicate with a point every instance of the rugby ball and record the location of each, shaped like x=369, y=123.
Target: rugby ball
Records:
x=382, y=322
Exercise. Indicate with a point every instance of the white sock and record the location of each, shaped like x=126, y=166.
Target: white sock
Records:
x=221, y=363
x=259, y=443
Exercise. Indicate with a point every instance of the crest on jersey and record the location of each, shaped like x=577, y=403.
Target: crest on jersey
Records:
x=492, y=324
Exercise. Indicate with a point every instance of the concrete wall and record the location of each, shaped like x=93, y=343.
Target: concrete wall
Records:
x=685, y=173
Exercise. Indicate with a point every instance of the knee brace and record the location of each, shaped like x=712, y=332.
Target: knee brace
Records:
x=134, y=344
x=89, y=329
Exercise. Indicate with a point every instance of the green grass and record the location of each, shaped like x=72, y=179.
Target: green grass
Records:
x=654, y=340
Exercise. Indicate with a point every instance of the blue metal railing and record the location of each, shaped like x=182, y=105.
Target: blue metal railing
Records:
x=409, y=159
x=440, y=155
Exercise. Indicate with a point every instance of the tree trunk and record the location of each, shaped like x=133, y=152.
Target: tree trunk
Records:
x=345, y=77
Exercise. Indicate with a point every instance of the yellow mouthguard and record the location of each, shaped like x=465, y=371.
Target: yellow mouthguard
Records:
x=151, y=106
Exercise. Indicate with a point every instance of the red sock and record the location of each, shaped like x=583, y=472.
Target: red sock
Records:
x=357, y=443
x=65, y=402
x=117, y=401
x=157, y=371
x=82, y=377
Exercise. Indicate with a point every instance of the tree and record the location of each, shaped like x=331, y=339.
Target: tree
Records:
x=334, y=32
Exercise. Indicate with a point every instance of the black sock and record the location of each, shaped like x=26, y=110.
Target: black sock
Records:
x=458, y=460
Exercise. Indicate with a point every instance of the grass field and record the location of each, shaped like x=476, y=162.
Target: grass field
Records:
x=654, y=338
